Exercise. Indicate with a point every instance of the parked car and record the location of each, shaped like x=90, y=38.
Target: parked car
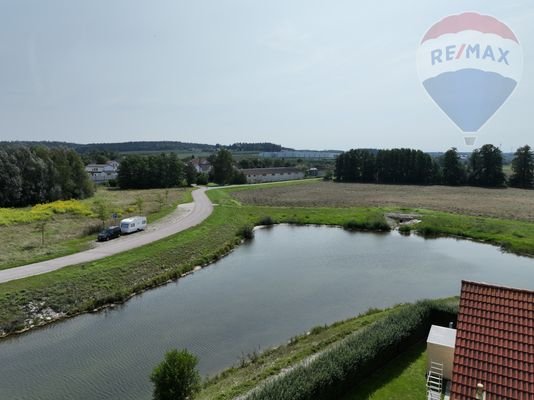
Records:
x=109, y=233
x=133, y=224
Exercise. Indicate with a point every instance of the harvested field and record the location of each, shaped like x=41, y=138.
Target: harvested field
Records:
x=501, y=203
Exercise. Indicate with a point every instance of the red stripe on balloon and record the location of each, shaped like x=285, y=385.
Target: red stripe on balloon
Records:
x=470, y=21
x=460, y=52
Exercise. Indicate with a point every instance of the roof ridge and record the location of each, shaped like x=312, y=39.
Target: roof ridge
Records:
x=495, y=286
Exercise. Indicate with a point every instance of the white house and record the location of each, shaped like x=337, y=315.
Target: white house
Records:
x=201, y=166
x=260, y=175
x=100, y=173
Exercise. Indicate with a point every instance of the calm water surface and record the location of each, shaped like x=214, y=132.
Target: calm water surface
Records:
x=283, y=283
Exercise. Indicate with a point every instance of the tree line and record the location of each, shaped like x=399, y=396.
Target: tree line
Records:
x=167, y=170
x=149, y=172
x=149, y=146
x=270, y=147
x=484, y=167
x=32, y=175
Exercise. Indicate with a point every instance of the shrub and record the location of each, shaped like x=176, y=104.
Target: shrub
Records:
x=333, y=372
x=247, y=232
x=176, y=377
x=91, y=229
x=371, y=225
x=202, y=179
x=238, y=178
x=317, y=329
x=405, y=229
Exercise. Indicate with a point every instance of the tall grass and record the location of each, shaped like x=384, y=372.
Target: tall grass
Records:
x=335, y=371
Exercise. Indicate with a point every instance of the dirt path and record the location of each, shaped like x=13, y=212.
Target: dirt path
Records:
x=185, y=217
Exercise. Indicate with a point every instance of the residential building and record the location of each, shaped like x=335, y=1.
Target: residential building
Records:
x=100, y=173
x=493, y=345
x=260, y=175
x=202, y=166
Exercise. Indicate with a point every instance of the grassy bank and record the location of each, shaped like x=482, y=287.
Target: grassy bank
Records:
x=402, y=377
x=513, y=235
x=347, y=364
x=256, y=368
x=70, y=226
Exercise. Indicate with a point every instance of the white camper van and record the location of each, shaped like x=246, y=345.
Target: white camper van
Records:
x=133, y=224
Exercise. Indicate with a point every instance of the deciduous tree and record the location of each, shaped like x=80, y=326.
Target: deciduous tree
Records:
x=223, y=167
x=523, y=168
x=453, y=168
x=486, y=167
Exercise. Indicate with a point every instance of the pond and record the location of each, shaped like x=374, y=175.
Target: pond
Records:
x=286, y=281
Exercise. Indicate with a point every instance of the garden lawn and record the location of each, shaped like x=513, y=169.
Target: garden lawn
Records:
x=403, y=378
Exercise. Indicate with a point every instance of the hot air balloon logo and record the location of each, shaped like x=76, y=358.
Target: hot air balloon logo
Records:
x=470, y=64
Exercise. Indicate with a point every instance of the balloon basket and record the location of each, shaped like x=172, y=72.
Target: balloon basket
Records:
x=470, y=140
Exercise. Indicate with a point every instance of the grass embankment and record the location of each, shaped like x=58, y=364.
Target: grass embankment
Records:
x=339, y=369
x=512, y=236
x=403, y=377
x=70, y=226
x=479, y=213
x=256, y=368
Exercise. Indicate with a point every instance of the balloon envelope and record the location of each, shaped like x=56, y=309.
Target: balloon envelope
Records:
x=470, y=64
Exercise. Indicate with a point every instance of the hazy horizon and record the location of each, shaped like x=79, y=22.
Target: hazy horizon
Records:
x=305, y=75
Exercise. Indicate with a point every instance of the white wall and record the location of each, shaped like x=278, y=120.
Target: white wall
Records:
x=277, y=177
x=443, y=355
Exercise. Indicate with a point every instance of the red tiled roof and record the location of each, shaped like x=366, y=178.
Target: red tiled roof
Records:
x=494, y=343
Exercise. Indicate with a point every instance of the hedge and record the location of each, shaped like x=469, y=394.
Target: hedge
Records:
x=337, y=370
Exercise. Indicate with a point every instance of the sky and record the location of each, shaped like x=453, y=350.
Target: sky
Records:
x=301, y=73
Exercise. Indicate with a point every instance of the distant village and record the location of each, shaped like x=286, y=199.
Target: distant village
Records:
x=105, y=172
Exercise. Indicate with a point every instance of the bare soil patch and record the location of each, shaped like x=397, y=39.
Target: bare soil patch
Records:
x=501, y=203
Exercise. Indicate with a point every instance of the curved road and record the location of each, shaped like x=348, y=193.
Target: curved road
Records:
x=191, y=214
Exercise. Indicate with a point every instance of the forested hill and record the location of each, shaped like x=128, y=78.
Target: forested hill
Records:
x=150, y=146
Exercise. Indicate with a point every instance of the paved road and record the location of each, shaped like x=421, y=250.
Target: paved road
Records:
x=187, y=216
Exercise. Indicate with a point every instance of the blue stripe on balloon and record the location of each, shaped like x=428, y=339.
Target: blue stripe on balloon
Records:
x=470, y=96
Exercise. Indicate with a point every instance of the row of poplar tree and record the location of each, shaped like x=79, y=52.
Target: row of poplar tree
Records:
x=39, y=175
x=484, y=167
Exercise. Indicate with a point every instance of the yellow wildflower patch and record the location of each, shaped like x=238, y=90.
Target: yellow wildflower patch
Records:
x=41, y=212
